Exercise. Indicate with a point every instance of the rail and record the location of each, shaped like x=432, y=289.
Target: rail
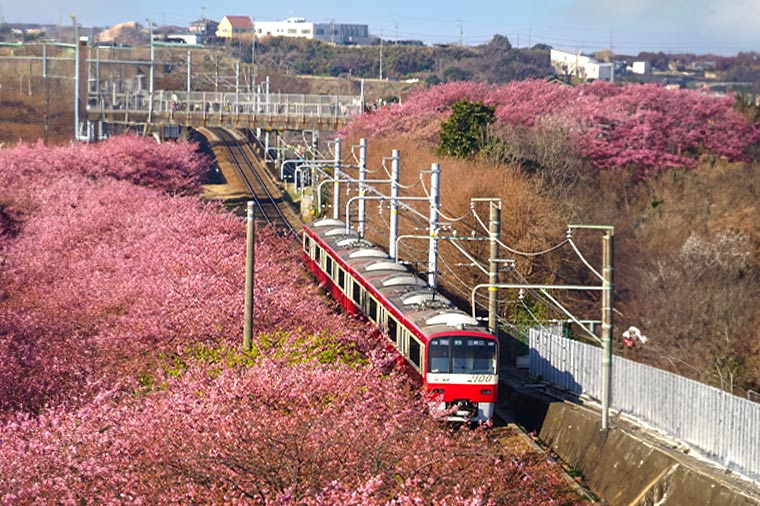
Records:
x=267, y=204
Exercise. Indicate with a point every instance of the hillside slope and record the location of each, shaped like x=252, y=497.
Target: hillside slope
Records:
x=672, y=171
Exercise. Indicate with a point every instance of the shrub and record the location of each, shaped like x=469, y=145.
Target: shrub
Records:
x=466, y=131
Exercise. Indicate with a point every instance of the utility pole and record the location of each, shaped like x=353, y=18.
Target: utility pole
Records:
x=47, y=90
x=237, y=87
x=76, y=78
x=150, y=85
x=249, y=265
x=216, y=71
x=253, y=57
x=612, y=61
x=189, y=74
x=381, y=55
x=189, y=83
x=461, y=33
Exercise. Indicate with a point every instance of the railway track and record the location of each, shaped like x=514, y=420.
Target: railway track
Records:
x=268, y=207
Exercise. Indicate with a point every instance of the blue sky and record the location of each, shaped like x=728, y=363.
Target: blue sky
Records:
x=629, y=26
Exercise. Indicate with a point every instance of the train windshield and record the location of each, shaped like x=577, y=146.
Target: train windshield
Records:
x=462, y=355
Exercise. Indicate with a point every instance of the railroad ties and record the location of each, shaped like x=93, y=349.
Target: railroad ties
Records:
x=270, y=207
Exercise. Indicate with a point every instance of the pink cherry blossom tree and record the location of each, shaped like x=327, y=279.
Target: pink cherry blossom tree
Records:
x=121, y=377
x=647, y=127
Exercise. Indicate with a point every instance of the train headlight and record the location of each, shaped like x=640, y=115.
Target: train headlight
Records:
x=486, y=391
x=438, y=390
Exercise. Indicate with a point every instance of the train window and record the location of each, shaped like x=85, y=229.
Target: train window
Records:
x=392, y=329
x=357, y=296
x=341, y=278
x=462, y=355
x=372, y=309
x=329, y=266
x=473, y=356
x=307, y=245
x=414, y=352
x=317, y=252
x=438, y=356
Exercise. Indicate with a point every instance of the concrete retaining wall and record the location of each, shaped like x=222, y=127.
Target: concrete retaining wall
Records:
x=620, y=465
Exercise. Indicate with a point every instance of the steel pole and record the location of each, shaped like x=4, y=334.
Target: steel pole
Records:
x=435, y=201
x=493, y=266
x=607, y=284
x=395, y=164
x=336, y=184
x=362, y=184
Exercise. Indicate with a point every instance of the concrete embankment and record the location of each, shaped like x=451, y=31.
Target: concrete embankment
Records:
x=625, y=465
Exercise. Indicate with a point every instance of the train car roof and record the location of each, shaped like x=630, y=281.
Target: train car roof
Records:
x=426, y=308
x=385, y=265
x=328, y=222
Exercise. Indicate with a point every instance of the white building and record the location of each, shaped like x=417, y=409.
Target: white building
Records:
x=641, y=67
x=192, y=39
x=580, y=66
x=337, y=33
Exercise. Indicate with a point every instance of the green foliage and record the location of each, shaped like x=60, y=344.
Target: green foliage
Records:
x=452, y=74
x=405, y=60
x=321, y=348
x=432, y=80
x=495, y=61
x=529, y=312
x=286, y=346
x=465, y=133
x=500, y=42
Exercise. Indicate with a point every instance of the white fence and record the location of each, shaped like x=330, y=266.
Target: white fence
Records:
x=724, y=427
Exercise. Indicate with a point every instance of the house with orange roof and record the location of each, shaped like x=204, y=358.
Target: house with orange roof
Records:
x=234, y=26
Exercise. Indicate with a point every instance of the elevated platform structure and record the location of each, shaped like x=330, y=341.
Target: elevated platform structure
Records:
x=268, y=111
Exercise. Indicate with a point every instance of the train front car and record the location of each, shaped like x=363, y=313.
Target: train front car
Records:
x=461, y=367
x=448, y=349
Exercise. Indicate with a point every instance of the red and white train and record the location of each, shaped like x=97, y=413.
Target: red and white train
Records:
x=455, y=357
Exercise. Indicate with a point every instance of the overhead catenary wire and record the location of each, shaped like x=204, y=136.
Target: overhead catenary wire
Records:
x=582, y=258
x=516, y=251
x=525, y=306
x=441, y=213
